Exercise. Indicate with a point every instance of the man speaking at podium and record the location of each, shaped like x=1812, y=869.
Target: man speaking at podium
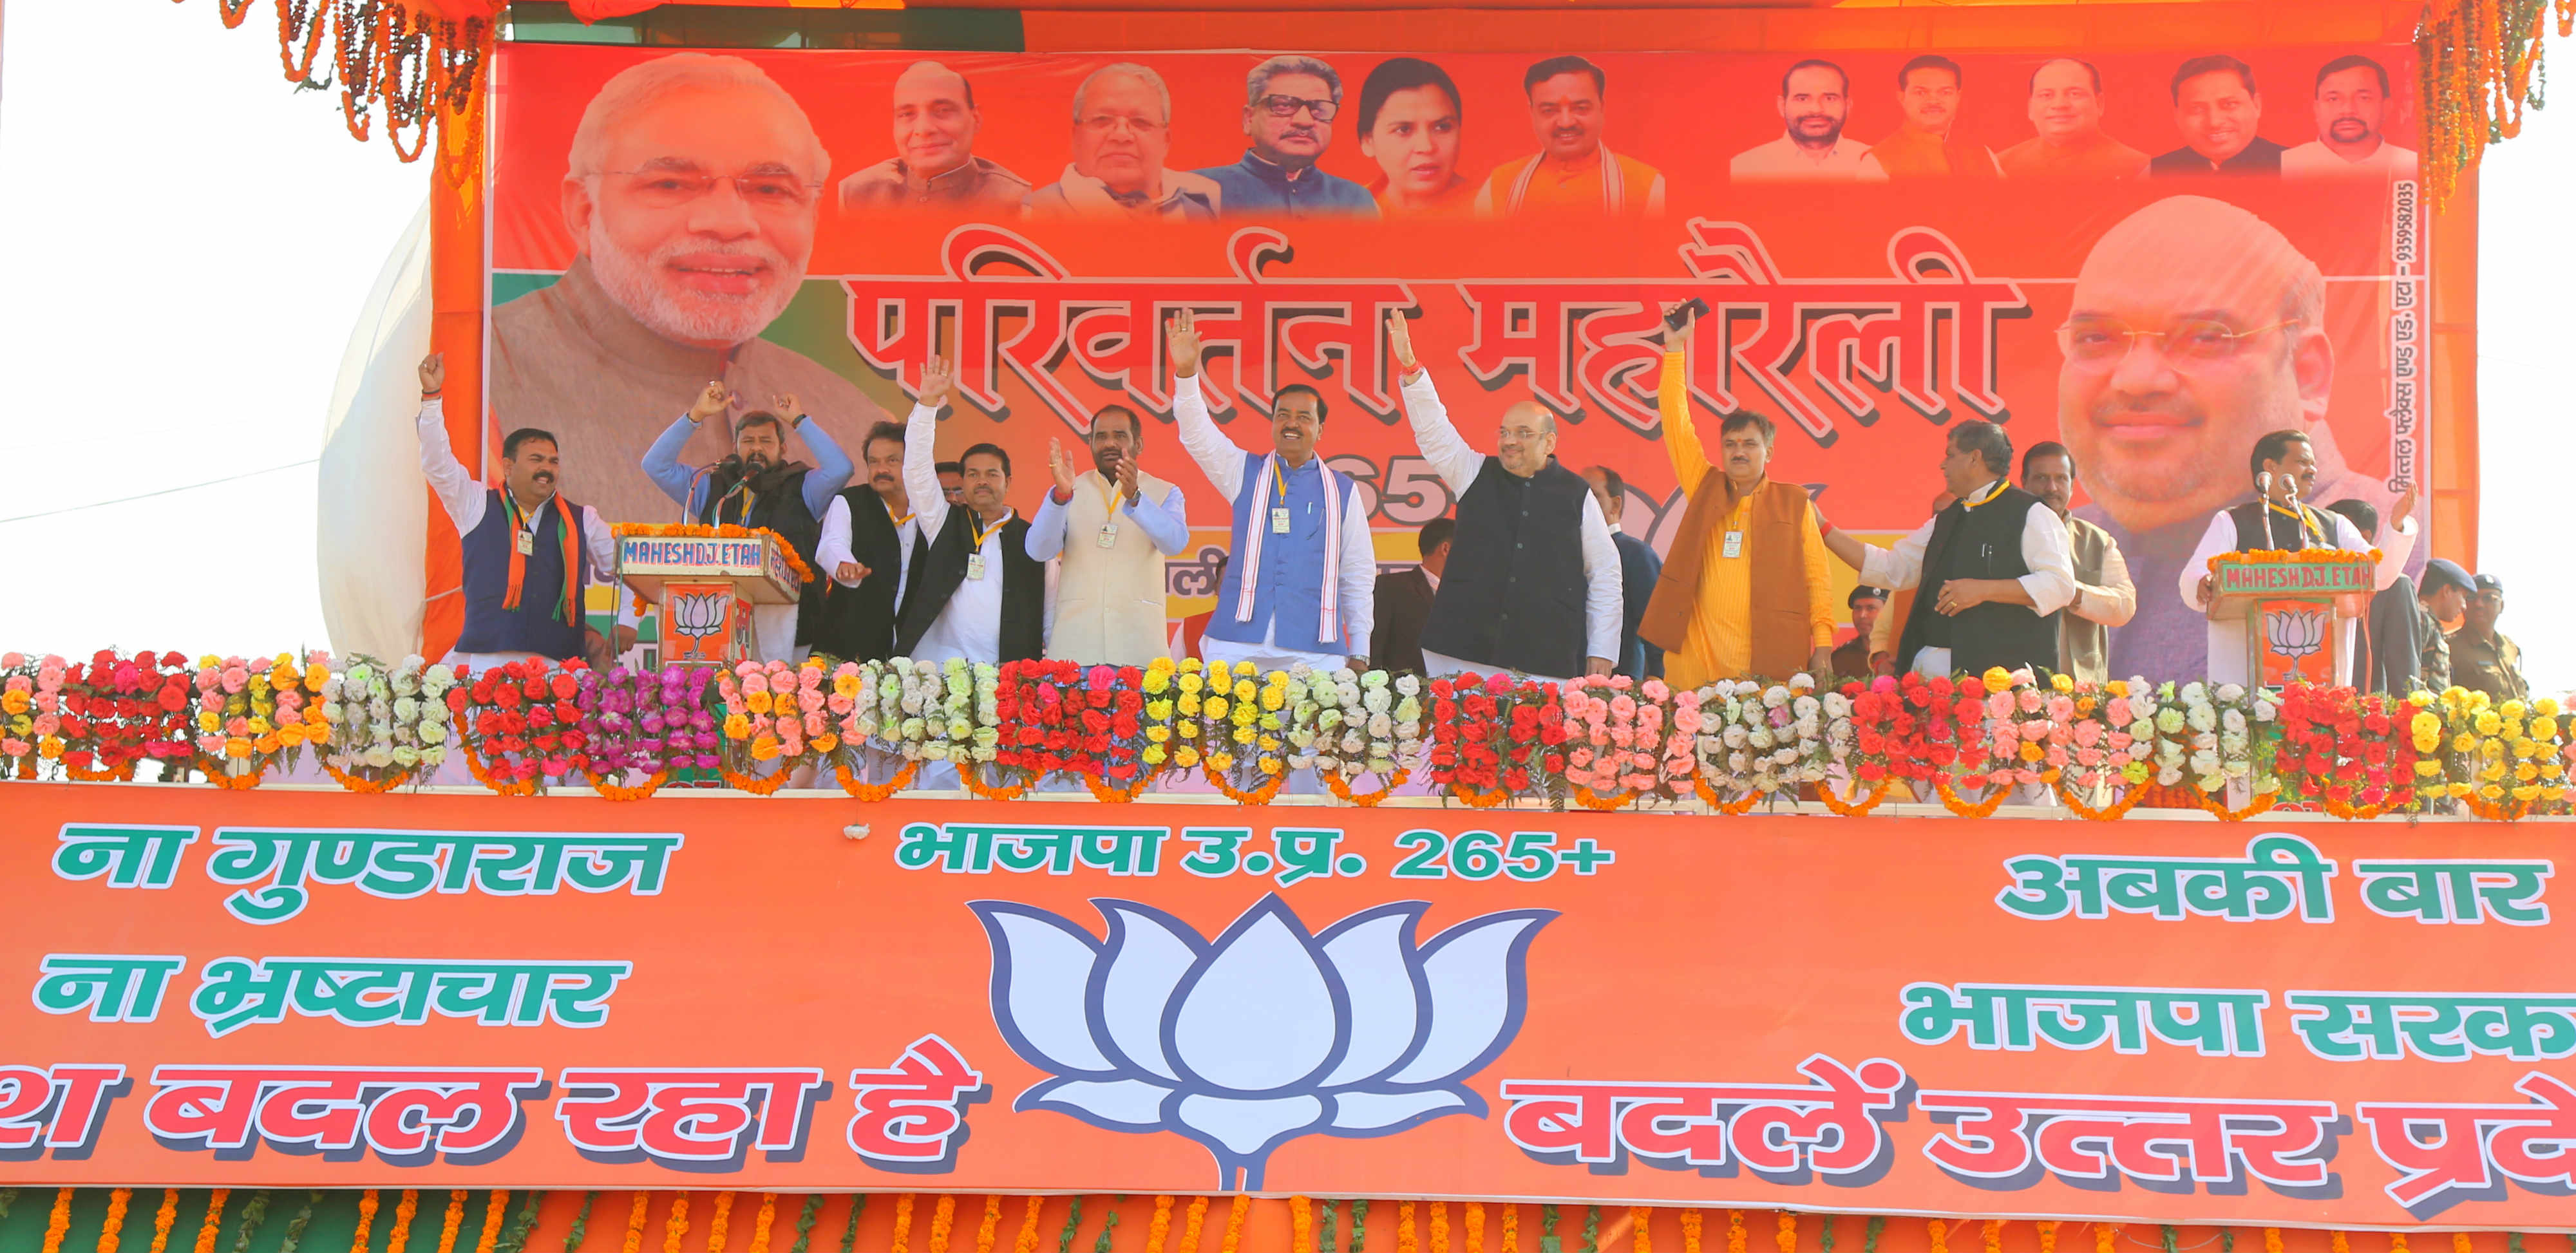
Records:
x=757, y=487
x=528, y=552
x=2279, y=520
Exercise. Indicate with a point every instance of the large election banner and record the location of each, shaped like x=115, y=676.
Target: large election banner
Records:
x=2322, y=1024
x=2152, y=257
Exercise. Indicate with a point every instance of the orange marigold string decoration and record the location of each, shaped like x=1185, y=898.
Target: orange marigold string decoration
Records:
x=1234, y=1216
x=1261, y=794
x=1853, y=809
x=495, y=1212
x=2219, y=810
x=986, y=1230
x=1341, y=788
x=968, y=775
x=1641, y=1222
x=60, y=1221
x=214, y=1222
x=943, y=1220
x=1478, y=800
x=1995, y=794
x=1994, y=1235
x=455, y=1221
x=1940, y=1233
x=760, y=1222
x=2117, y=809
x=677, y=1225
x=1600, y=804
x=1692, y=1220
x=482, y=773
x=757, y=787
x=1735, y=1236
x=1787, y=1238
x=1439, y=1227
x=1027, y=1240
x=717, y=1222
x=621, y=792
x=214, y=772
x=2459, y=1242
x=1301, y=1224
x=1193, y=1223
x=404, y=1210
x=634, y=1222
x=902, y=1238
x=1475, y=1223
x=114, y=1225
x=2048, y=1237
x=1405, y=1240
x=169, y=1215
x=1732, y=809
x=2105, y=1233
x=1511, y=1229
x=2271, y=1240
x=2397, y=1242
x=1158, y=1231
x=367, y=787
x=1112, y=794
x=874, y=792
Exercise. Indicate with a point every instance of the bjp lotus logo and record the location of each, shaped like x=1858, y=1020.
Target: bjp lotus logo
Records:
x=698, y=616
x=1264, y=1034
x=2295, y=633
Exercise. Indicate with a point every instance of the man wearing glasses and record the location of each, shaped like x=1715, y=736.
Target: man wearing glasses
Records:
x=1122, y=131
x=2194, y=329
x=1289, y=103
x=690, y=196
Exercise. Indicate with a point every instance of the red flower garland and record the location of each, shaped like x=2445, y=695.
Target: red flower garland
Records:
x=523, y=722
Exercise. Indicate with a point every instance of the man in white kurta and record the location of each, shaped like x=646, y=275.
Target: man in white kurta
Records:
x=2287, y=470
x=1113, y=525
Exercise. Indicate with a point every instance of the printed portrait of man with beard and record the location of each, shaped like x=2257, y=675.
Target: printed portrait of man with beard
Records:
x=690, y=192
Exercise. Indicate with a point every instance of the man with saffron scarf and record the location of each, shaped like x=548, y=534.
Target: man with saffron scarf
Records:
x=1746, y=589
x=1301, y=584
x=1927, y=145
x=529, y=553
x=1573, y=172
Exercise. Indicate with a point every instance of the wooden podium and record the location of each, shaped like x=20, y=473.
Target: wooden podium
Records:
x=706, y=586
x=2292, y=604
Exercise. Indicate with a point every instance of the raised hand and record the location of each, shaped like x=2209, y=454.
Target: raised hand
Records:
x=1399, y=341
x=784, y=405
x=1060, y=467
x=712, y=402
x=1675, y=336
x=1181, y=335
x=2402, y=510
x=433, y=374
x=1127, y=485
x=937, y=375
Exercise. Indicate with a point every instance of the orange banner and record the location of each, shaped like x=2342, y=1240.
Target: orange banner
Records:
x=1889, y=242
x=2346, y=1025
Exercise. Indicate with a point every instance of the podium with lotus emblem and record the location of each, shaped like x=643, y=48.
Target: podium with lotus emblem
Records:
x=705, y=586
x=2292, y=605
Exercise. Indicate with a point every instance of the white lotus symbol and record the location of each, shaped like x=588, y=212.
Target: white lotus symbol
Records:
x=1268, y=1032
x=2295, y=633
x=698, y=616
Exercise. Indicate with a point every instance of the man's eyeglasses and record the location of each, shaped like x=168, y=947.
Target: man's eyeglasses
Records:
x=2100, y=340
x=1287, y=106
x=669, y=189
x=1103, y=123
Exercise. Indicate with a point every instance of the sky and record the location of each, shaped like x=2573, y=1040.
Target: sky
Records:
x=167, y=340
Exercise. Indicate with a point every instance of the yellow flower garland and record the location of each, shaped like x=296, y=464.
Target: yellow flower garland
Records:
x=214, y=1223
x=1511, y=1229
x=2271, y=1240
x=760, y=1222
x=2338, y=1242
x=1475, y=1227
x=943, y=1220
x=2048, y=1237
x=1404, y=1238
x=1735, y=1232
x=1692, y=1220
x=60, y=1221
x=902, y=1225
x=115, y=1222
x=673, y=1228
x=404, y=1209
x=1196, y=1222
x=1994, y=1235
x=1439, y=1227
x=1027, y=1240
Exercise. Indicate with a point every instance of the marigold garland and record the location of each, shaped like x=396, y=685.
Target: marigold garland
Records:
x=455, y=1221
x=717, y=1222
x=966, y=776
x=214, y=1221
x=1787, y=1239
x=757, y=787
x=874, y=792
x=1259, y=795
x=1854, y=809
x=1478, y=800
x=992, y=1224
x=482, y=772
x=1940, y=1232
x=496, y=1209
x=1301, y=1224
x=1234, y=1216
x=2219, y=810
x=1439, y=1227
x=367, y=1205
x=60, y=1221
x=760, y=1222
x=901, y=1241
x=1159, y=1229
x=1027, y=1241
x=1692, y=1223
x=1193, y=1223
x=2104, y=1234
x=2459, y=1242
x=1111, y=793
x=2117, y=809
x=1995, y=795
x=367, y=787
x=404, y=1210
x=115, y=1223
x=1994, y=1235
x=1733, y=809
x=943, y=1220
x=169, y=1215
x=1641, y=1220
x=1341, y=788
x=1405, y=1240
x=2048, y=1236
x=1600, y=804
x=214, y=772
x=1735, y=1234
x=2397, y=1242
x=634, y=1220
x=1475, y=1223
x=621, y=792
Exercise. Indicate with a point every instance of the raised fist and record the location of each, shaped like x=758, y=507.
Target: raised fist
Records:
x=433, y=374
x=711, y=403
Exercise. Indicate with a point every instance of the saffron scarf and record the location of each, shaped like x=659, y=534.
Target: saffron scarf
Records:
x=568, y=609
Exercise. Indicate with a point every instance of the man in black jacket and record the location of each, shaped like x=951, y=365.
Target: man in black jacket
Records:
x=976, y=594
x=871, y=541
x=1639, y=570
x=759, y=488
x=1404, y=601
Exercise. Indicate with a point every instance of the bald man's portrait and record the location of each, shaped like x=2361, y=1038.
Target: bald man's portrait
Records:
x=690, y=193
x=934, y=165
x=2195, y=327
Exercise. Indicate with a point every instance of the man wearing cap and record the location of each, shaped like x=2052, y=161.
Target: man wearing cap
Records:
x=1851, y=660
x=2443, y=594
x=2481, y=659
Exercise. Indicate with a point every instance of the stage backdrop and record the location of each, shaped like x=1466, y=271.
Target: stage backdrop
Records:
x=2319, y=1024
x=1865, y=317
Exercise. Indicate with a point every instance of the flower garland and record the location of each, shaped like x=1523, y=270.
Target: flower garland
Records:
x=985, y=1230
x=387, y=722
x=1234, y=1217
x=635, y=1217
x=1159, y=1228
x=762, y=1221
x=524, y=729
x=674, y=1227
x=1192, y=1224
x=716, y=1222
x=1405, y=1239
x=60, y=1221
x=1641, y=1221
x=1301, y=1225
x=771, y=711
x=404, y=1210
x=1692, y=1226
x=648, y=723
x=214, y=1221
x=943, y=1220
x=454, y=1221
x=114, y=1224
x=168, y=1216
x=1475, y=1222
x=874, y=792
